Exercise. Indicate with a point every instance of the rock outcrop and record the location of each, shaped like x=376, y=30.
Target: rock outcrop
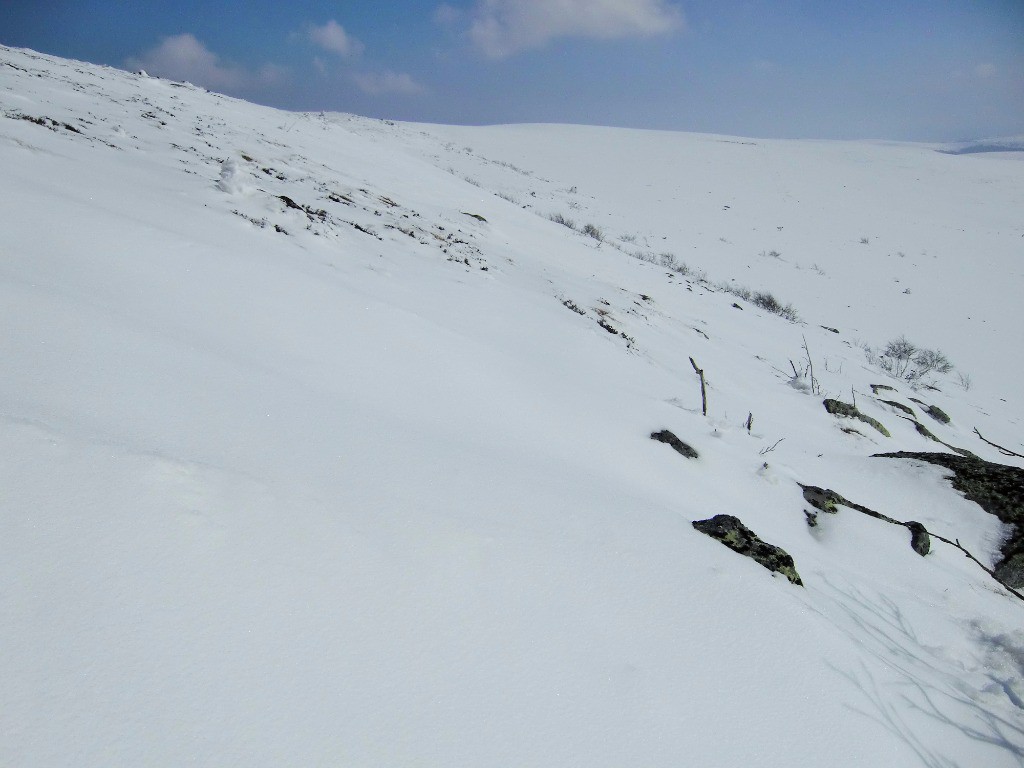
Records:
x=996, y=488
x=736, y=536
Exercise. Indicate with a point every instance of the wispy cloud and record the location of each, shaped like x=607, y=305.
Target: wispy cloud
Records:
x=379, y=83
x=333, y=38
x=183, y=57
x=500, y=28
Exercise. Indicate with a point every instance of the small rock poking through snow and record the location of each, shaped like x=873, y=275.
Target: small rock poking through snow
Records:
x=736, y=536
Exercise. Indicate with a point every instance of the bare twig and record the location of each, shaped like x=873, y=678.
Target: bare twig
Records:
x=953, y=543
x=703, y=387
x=1004, y=451
x=984, y=567
x=764, y=451
x=815, y=388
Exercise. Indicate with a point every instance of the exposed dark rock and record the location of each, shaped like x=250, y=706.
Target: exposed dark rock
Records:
x=476, y=216
x=827, y=500
x=680, y=447
x=822, y=499
x=937, y=413
x=839, y=408
x=899, y=406
x=996, y=488
x=736, y=536
x=876, y=388
x=920, y=541
x=1011, y=570
x=830, y=329
x=925, y=432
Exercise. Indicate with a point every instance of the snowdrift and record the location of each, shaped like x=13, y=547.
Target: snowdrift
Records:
x=322, y=444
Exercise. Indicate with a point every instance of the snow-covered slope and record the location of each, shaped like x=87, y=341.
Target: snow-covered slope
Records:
x=320, y=444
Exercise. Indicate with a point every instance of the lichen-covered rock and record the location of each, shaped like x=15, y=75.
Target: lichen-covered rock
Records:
x=899, y=406
x=1011, y=571
x=996, y=488
x=664, y=436
x=925, y=432
x=876, y=388
x=827, y=500
x=736, y=536
x=823, y=499
x=839, y=408
x=937, y=413
x=920, y=541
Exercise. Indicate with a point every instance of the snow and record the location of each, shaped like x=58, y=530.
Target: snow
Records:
x=343, y=481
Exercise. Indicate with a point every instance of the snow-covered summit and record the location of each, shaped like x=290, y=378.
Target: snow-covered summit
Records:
x=322, y=444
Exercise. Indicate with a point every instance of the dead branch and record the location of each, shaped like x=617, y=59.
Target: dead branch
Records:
x=703, y=387
x=1004, y=451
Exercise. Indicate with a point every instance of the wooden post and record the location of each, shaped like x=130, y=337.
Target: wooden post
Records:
x=703, y=387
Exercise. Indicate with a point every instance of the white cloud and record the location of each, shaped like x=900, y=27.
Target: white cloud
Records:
x=183, y=57
x=333, y=38
x=499, y=28
x=388, y=82
x=447, y=16
x=985, y=70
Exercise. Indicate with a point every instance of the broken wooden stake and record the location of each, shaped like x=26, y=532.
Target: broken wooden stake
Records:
x=703, y=387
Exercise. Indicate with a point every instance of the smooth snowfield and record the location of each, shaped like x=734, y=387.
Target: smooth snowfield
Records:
x=302, y=464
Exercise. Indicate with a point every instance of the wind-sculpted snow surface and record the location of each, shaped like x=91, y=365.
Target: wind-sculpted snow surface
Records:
x=321, y=444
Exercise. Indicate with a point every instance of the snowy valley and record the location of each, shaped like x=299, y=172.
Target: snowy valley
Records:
x=328, y=441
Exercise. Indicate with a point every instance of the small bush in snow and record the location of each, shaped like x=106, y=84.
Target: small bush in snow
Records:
x=560, y=219
x=767, y=301
x=897, y=356
x=736, y=290
x=591, y=230
x=761, y=299
x=928, y=360
x=902, y=359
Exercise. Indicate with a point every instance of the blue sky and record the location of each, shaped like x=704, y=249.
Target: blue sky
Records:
x=902, y=69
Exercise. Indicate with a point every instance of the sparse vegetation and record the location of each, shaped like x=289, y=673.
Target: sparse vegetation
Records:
x=762, y=299
x=564, y=221
x=902, y=359
x=594, y=231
